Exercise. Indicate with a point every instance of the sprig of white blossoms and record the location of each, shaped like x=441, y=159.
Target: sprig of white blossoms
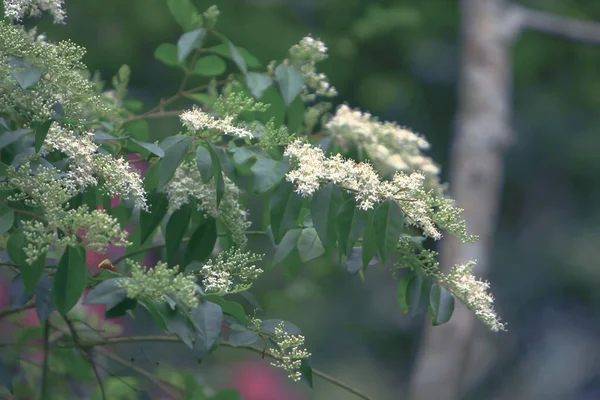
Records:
x=16, y=10
x=289, y=352
x=196, y=120
x=85, y=164
x=158, y=282
x=187, y=185
x=388, y=145
x=311, y=169
x=48, y=191
x=305, y=55
x=233, y=271
x=473, y=293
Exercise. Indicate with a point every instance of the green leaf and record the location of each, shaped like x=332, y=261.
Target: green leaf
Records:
x=403, y=293
x=441, y=303
x=309, y=245
x=417, y=294
x=210, y=66
x=125, y=307
x=157, y=310
x=151, y=147
x=224, y=50
x=268, y=173
x=285, y=209
x=388, y=222
x=291, y=82
x=23, y=73
x=202, y=242
x=306, y=371
x=32, y=273
x=324, y=208
x=44, y=303
x=237, y=58
x=232, y=308
x=174, y=156
x=369, y=243
x=257, y=83
x=166, y=53
x=287, y=244
x=149, y=220
x=15, y=245
x=70, y=279
x=204, y=162
x=180, y=325
x=8, y=138
x=227, y=394
x=7, y=218
x=295, y=116
x=188, y=42
x=108, y=293
x=182, y=11
x=240, y=336
x=224, y=161
x=41, y=131
x=242, y=155
x=207, y=317
x=175, y=230
x=351, y=222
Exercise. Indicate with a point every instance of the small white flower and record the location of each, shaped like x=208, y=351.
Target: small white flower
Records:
x=289, y=352
x=18, y=9
x=197, y=120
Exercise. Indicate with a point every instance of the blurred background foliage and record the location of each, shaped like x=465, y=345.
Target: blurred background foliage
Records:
x=399, y=59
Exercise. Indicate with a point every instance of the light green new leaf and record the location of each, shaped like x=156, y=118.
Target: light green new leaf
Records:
x=309, y=245
x=182, y=11
x=291, y=82
x=209, y=66
x=166, y=53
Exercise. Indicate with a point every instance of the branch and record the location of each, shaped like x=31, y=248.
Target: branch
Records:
x=258, y=350
x=570, y=28
x=10, y=311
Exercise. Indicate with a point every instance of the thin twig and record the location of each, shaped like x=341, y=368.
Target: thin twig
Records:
x=10, y=311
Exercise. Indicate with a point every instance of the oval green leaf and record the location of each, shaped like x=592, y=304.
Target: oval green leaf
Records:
x=441, y=303
x=209, y=66
x=70, y=279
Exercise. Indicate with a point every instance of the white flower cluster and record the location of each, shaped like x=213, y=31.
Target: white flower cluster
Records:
x=388, y=145
x=47, y=192
x=312, y=169
x=473, y=294
x=187, y=184
x=16, y=10
x=305, y=55
x=233, y=271
x=197, y=120
x=289, y=352
x=158, y=282
x=85, y=164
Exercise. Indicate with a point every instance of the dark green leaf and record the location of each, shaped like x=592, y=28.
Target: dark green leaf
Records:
x=295, y=116
x=258, y=83
x=15, y=245
x=7, y=217
x=388, y=222
x=287, y=244
x=125, y=307
x=23, y=73
x=285, y=209
x=151, y=147
x=369, y=245
x=175, y=230
x=204, y=162
x=251, y=299
x=8, y=138
x=44, y=303
x=237, y=58
x=232, y=308
x=108, y=293
x=325, y=206
x=240, y=336
x=171, y=141
x=166, y=53
x=242, y=155
x=202, y=242
x=41, y=131
x=32, y=273
x=351, y=222
x=224, y=161
x=188, y=42
x=182, y=11
x=210, y=66
x=291, y=82
x=268, y=173
x=157, y=310
x=149, y=220
x=180, y=325
x=70, y=279
x=207, y=317
x=417, y=294
x=309, y=245
x=306, y=371
x=174, y=156
x=441, y=303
